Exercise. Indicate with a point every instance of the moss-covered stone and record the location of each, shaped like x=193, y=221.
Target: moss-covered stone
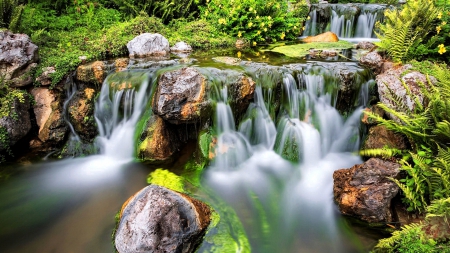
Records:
x=301, y=50
x=166, y=179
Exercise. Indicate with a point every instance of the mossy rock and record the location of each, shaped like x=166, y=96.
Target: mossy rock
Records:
x=301, y=50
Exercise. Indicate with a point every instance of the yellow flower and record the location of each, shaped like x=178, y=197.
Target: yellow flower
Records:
x=440, y=15
x=239, y=34
x=222, y=21
x=250, y=9
x=438, y=29
x=254, y=43
x=259, y=32
x=282, y=35
x=250, y=24
x=308, y=18
x=265, y=29
x=444, y=23
x=239, y=54
x=303, y=28
x=441, y=49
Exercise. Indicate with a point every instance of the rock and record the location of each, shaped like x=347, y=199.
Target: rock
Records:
x=392, y=79
x=324, y=37
x=45, y=78
x=241, y=43
x=148, y=44
x=159, y=141
x=379, y=137
x=242, y=92
x=94, y=72
x=181, y=96
x=364, y=191
x=366, y=45
x=43, y=98
x=25, y=79
x=121, y=64
x=160, y=220
x=81, y=113
x=17, y=123
x=17, y=53
x=181, y=47
x=372, y=60
x=55, y=128
x=227, y=60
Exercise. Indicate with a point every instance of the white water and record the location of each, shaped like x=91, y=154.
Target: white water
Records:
x=287, y=206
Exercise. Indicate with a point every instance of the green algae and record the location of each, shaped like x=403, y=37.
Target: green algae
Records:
x=301, y=50
x=166, y=179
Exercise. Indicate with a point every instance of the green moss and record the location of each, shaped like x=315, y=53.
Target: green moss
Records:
x=301, y=50
x=166, y=179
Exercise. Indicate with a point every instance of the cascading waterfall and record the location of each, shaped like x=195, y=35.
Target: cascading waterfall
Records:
x=280, y=181
x=345, y=20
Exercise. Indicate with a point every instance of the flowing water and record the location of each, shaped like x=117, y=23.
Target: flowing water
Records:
x=273, y=166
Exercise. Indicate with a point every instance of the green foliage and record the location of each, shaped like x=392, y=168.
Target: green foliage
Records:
x=406, y=28
x=256, y=20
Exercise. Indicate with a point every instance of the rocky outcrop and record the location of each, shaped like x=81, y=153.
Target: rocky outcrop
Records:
x=55, y=128
x=379, y=137
x=17, y=123
x=17, y=57
x=94, y=72
x=42, y=107
x=181, y=96
x=364, y=191
x=81, y=113
x=393, y=78
x=148, y=44
x=160, y=220
x=324, y=37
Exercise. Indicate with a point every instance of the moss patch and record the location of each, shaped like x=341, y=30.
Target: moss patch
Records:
x=166, y=179
x=301, y=50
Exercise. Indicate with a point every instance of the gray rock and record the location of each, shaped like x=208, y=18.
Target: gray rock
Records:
x=366, y=45
x=160, y=220
x=17, y=123
x=43, y=98
x=181, y=47
x=17, y=52
x=364, y=191
x=148, y=44
x=182, y=96
x=372, y=60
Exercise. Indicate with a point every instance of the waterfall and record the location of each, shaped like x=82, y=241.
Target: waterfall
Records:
x=277, y=173
x=345, y=20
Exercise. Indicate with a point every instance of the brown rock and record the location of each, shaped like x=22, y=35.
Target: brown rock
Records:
x=55, y=128
x=379, y=137
x=81, y=113
x=94, y=72
x=157, y=219
x=121, y=64
x=43, y=98
x=324, y=37
x=364, y=191
x=372, y=60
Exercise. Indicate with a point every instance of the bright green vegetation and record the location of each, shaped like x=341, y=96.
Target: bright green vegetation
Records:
x=166, y=179
x=301, y=50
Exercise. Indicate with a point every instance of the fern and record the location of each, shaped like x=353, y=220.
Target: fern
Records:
x=384, y=152
x=388, y=244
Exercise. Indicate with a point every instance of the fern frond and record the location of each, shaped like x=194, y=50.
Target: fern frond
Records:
x=381, y=152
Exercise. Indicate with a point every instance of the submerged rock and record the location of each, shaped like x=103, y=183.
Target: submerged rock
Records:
x=157, y=219
x=364, y=191
x=324, y=37
x=182, y=96
x=17, y=55
x=148, y=44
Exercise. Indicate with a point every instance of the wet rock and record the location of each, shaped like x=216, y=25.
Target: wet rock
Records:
x=379, y=137
x=81, y=113
x=160, y=220
x=55, y=128
x=160, y=141
x=242, y=91
x=148, y=44
x=181, y=47
x=372, y=60
x=227, y=60
x=364, y=191
x=366, y=45
x=121, y=64
x=324, y=37
x=45, y=78
x=94, y=72
x=17, y=123
x=17, y=54
x=393, y=79
x=42, y=107
x=181, y=96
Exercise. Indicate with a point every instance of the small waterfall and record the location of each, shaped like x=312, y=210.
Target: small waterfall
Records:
x=345, y=20
x=280, y=178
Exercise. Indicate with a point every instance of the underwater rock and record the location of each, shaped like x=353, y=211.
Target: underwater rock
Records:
x=17, y=55
x=148, y=44
x=81, y=112
x=17, y=123
x=157, y=219
x=365, y=192
x=324, y=37
x=182, y=96
x=372, y=60
x=227, y=60
x=94, y=72
x=379, y=137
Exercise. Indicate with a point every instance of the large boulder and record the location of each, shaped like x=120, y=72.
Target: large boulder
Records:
x=324, y=37
x=148, y=44
x=365, y=191
x=181, y=96
x=55, y=128
x=160, y=220
x=391, y=81
x=17, y=123
x=17, y=55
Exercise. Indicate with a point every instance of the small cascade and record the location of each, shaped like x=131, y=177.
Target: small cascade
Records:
x=280, y=180
x=345, y=20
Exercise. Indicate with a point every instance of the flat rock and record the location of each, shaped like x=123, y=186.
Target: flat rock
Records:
x=160, y=220
x=324, y=37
